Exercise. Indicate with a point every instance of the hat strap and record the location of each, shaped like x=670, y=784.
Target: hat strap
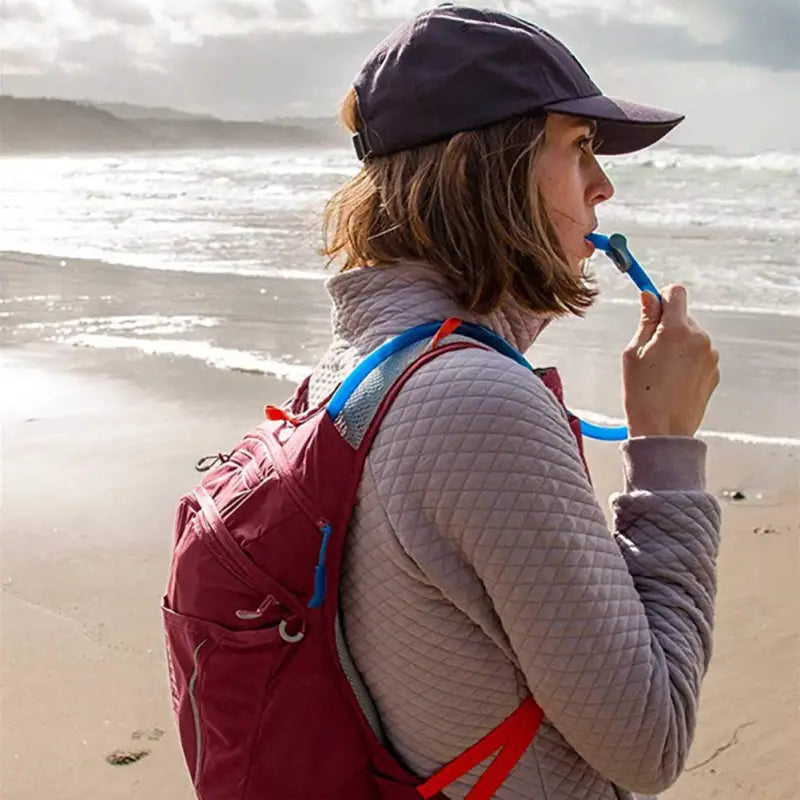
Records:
x=360, y=145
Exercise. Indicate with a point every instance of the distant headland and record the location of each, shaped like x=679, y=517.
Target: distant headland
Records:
x=30, y=125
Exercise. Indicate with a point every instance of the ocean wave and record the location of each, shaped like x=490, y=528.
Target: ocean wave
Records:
x=674, y=158
x=729, y=436
x=702, y=219
x=339, y=162
x=774, y=311
x=244, y=267
x=218, y=357
x=31, y=298
x=139, y=325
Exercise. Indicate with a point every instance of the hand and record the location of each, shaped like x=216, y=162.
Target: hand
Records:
x=669, y=369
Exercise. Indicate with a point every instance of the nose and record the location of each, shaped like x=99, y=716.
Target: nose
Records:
x=601, y=188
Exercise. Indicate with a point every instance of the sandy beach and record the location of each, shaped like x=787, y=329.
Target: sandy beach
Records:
x=98, y=445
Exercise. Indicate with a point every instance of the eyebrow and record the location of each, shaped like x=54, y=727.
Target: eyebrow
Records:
x=583, y=122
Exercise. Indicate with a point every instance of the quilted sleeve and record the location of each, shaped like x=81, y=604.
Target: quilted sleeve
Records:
x=611, y=629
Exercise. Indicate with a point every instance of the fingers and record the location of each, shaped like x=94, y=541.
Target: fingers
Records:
x=651, y=307
x=716, y=374
x=675, y=306
x=648, y=321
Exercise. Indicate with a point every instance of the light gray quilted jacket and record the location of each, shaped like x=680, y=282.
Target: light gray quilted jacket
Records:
x=479, y=566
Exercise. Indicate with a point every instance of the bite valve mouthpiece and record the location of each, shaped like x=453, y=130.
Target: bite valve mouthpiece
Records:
x=619, y=253
x=616, y=248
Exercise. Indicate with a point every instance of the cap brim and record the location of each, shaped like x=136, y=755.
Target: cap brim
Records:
x=622, y=126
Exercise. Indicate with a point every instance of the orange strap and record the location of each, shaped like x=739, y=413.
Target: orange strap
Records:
x=511, y=737
x=447, y=327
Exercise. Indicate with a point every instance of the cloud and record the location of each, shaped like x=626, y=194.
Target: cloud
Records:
x=767, y=32
x=239, y=10
x=762, y=34
x=288, y=68
x=234, y=76
x=109, y=54
x=123, y=12
x=21, y=61
x=18, y=10
x=292, y=9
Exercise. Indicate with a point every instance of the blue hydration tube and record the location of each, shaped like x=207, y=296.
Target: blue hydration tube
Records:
x=406, y=339
x=615, y=246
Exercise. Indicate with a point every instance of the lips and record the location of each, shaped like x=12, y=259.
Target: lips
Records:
x=589, y=244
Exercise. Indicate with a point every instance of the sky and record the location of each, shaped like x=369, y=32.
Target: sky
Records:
x=732, y=66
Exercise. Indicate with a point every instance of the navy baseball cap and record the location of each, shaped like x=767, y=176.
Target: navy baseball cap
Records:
x=455, y=68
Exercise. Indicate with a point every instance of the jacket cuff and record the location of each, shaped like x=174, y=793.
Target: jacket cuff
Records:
x=664, y=463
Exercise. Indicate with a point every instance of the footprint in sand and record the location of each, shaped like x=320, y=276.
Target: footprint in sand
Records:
x=121, y=758
x=766, y=531
x=151, y=734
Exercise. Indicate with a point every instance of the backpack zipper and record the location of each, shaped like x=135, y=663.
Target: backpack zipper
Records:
x=320, y=573
x=281, y=465
x=228, y=553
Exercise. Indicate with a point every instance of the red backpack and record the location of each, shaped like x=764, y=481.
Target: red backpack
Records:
x=267, y=704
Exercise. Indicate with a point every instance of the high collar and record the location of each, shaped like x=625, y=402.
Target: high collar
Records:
x=373, y=303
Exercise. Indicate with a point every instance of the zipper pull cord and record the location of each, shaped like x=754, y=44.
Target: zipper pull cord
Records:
x=207, y=462
x=320, y=575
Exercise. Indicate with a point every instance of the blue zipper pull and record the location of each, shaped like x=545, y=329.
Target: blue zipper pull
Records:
x=320, y=574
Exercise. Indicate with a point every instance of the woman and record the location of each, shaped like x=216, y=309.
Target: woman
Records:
x=479, y=567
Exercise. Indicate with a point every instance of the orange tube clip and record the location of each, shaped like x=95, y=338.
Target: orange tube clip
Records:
x=448, y=327
x=274, y=413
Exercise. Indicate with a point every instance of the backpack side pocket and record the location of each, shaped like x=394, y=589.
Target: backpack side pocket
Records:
x=220, y=680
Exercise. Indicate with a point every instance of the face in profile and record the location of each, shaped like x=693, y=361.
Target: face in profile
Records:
x=571, y=183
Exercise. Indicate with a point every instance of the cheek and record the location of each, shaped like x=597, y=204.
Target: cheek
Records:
x=560, y=188
x=563, y=191
x=551, y=188
x=572, y=189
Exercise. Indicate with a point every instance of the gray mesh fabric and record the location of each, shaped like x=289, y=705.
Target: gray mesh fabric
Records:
x=360, y=409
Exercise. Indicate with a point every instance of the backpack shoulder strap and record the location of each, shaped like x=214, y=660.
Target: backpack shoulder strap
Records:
x=367, y=392
x=391, y=395
x=432, y=332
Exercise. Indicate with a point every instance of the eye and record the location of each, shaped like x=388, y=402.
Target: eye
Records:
x=589, y=144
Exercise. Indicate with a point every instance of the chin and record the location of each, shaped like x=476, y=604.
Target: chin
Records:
x=582, y=271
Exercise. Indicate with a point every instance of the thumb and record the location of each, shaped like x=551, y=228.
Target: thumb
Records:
x=648, y=321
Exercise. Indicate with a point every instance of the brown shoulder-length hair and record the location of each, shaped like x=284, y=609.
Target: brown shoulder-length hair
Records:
x=470, y=206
